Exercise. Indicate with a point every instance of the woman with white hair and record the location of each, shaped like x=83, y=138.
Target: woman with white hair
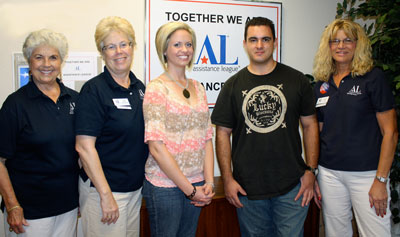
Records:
x=39, y=165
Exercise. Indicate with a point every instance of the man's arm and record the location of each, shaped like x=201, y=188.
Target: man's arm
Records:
x=311, y=150
x=223, y=148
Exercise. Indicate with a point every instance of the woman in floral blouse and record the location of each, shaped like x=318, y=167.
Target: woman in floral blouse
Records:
x=179, y=170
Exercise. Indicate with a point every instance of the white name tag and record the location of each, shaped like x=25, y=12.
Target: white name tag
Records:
x=322, y=101
x=122, y=103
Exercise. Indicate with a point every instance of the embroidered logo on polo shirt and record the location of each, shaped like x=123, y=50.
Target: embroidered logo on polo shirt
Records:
x=141, y=94
x=324, y=88
x=264, y=108
x=71, y=107
x=355, y=91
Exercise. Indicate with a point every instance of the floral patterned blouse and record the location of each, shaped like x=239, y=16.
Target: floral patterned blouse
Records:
x=182, y=127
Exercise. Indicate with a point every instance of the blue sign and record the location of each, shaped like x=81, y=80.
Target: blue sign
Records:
x=23, y=76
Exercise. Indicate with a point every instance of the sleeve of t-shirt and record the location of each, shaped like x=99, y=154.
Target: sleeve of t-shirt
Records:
x=222, y=114
x=379, y=92
x=9, y=129
x=89, y=112
x=307, y=98
x=154, y=109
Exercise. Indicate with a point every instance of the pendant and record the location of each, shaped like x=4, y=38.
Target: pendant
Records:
x=186, y=93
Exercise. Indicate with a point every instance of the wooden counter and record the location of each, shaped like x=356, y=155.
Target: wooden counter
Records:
x=220, y=218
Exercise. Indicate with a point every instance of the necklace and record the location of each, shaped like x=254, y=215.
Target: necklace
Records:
x=185, y=92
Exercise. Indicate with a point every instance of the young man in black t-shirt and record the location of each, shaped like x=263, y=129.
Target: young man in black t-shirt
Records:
x=261, y=106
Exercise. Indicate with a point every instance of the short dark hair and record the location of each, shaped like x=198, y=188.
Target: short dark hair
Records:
x=260, y=21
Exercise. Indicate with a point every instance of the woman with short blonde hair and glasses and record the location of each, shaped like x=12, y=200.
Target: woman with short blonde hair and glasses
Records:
x=110, y=135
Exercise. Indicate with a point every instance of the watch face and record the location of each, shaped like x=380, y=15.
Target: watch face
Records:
x=381, y=179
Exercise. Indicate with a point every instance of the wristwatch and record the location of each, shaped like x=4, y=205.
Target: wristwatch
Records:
x=381, y=179
x=313, y=170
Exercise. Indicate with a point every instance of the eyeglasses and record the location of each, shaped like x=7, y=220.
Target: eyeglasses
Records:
x=113, y=47
x=347, y=41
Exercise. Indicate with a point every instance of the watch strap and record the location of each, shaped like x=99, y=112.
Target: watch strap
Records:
x=313, y=170
x=381, y=179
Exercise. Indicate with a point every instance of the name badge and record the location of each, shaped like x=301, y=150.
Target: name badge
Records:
x=322, y=101
x=122, y=103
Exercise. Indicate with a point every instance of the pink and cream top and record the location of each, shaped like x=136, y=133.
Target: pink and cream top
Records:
x=182, y=127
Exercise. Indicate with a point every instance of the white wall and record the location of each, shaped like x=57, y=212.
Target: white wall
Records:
x=302, y=24
x=76, y=19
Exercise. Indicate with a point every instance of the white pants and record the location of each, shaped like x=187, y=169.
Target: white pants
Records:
x=342, y=190
x=128, y=223
x=63, y=225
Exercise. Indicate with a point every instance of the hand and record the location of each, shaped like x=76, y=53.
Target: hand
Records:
x=109, y=208
x=208, y=190
x=306, y=189
x=317, y=194
x=232, y=188
x=16, y=220
x=203, y=196
x=378, y=197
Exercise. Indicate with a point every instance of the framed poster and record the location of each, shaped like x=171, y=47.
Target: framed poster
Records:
x=219, y=27
x=21, y=71
x=77, y=68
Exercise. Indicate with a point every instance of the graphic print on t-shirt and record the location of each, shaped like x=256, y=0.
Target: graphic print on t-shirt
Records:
x=264, y=108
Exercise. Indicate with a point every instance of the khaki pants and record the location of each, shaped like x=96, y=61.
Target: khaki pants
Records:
x=63, y=225
x=128, y=223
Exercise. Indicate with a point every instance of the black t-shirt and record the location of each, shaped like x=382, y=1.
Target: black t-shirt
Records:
x=113, y=114
x=38, y=142
x=263, y=112
x=351, y=138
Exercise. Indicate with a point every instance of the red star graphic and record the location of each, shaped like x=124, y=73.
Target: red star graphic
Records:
x=204, y=60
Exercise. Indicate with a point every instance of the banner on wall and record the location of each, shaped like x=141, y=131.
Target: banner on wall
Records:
x=219, y=27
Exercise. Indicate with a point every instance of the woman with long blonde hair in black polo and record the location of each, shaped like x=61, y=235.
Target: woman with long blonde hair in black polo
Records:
x=358, y=132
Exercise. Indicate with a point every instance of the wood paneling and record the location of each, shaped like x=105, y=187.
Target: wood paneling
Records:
x=220, y=218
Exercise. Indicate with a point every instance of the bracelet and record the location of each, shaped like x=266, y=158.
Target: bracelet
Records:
x=12, y=208
x=211, y=183
x=191, y=196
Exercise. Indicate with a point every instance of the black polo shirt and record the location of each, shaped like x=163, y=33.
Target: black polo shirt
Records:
x=114, y=115
x=38, y=142
x=351, y=138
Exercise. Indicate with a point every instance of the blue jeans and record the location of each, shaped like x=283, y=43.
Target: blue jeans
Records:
x=170, y=212
x=277, y=216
